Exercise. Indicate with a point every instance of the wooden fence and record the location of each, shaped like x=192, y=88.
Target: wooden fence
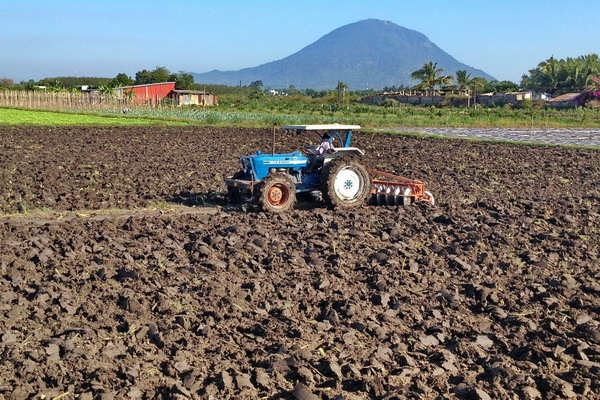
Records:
x=80, y=101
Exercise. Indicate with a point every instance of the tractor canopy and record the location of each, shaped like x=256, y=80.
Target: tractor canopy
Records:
x=342, y=132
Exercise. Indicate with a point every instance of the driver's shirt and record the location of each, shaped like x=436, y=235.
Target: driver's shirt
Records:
x=324, y=148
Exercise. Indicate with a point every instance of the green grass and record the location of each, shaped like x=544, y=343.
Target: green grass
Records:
x=10, y=116
x=403, y=115
x=269, y=112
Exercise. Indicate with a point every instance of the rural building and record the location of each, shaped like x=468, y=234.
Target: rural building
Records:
x=493, y=99
x=568, y=100
x=152, y=93
x=541, y=97
x=193, y=97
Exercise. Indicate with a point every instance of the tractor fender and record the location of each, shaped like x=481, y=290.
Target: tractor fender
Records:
x=343, y=151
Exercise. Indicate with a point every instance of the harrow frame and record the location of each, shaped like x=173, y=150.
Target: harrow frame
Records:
x=391, y=189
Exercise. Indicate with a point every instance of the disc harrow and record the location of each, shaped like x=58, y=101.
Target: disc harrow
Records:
x=394, y=190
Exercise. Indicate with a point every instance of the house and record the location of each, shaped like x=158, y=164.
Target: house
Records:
x=155, y=93
x=541, y=97
x=195, y=97
x=492, y=99
x=567, y=100
x=152, y=93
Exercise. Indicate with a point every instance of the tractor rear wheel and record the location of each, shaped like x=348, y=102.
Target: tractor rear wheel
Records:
x=345, y=183
x=277, y=193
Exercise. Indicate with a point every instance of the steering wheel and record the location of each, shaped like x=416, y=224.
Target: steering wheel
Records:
x=309, y=150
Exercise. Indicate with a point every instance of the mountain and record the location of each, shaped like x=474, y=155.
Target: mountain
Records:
x=368, y=54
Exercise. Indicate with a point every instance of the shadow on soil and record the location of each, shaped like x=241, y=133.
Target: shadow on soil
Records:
x=205, y=199
x=219, y=199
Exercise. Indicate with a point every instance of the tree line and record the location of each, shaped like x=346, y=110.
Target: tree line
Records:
x=182, y=80
x=570, y=75
x=551, y=76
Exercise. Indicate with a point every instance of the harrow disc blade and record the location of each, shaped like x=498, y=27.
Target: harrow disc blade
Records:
x=392, y=195
x=389, y=196
x=405, y=198
x=398, y=201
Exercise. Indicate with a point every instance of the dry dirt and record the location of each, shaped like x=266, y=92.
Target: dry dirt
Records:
x=124, y=274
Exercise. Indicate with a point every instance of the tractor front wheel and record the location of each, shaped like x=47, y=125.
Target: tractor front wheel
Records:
x=345, y=183
x=277, y=193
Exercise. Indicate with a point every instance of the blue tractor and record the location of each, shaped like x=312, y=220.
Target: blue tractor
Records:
x=273, y=180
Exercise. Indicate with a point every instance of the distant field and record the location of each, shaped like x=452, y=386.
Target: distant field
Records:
x=262, y=115
x=163, y=117
x=35, y=117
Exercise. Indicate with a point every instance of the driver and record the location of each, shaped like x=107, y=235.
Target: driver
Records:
x=325, y=147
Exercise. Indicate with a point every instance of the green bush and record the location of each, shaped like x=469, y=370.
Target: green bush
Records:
x=526, y=104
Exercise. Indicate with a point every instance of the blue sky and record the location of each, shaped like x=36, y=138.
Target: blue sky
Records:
x=102, y=38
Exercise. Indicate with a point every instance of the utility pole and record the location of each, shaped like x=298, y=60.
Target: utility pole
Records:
x=341, y=91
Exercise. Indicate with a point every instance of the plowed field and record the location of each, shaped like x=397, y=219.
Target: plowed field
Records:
x=124, y=273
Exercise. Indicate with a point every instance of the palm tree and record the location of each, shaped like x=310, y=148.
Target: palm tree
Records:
x=430, y=76
x=467, y=85
x=592, y=68
x=475, y=84
x=550, y=70
x=463, y=79
x=576, y=75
